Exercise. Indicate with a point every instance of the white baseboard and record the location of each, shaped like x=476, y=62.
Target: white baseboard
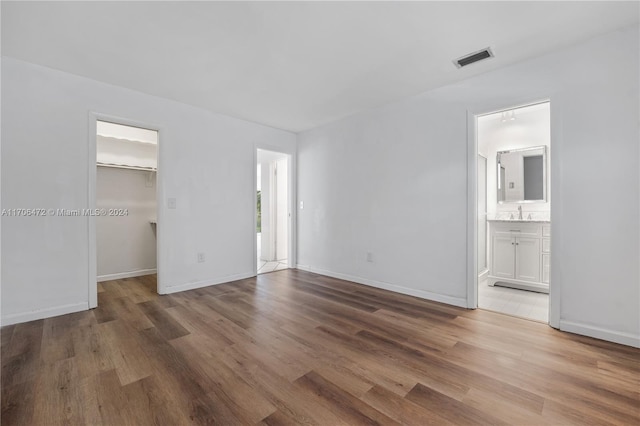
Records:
x=601, y=333
x=130, y=274
x=435, y=297
x=206, y=283
x=44, y=313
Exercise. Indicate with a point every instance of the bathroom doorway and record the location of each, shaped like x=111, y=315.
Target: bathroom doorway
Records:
x=273, y=216
x=513, y=230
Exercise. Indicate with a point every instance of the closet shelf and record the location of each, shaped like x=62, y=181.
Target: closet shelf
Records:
x=124, y=140
x=122, y=166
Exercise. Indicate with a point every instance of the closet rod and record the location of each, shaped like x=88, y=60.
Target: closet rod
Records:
x=117, y=166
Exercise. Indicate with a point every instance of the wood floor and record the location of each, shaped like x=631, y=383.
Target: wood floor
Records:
x=292, y=347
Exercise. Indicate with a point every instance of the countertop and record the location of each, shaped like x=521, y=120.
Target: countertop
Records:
x=520, y=220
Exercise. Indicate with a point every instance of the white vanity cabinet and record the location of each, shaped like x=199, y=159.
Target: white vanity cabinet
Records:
x=519, y=254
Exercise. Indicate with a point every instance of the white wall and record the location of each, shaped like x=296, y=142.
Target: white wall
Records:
x=206, y=163
x=125, y=244
x=393, y=181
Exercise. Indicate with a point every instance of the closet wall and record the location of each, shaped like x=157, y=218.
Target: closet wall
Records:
x=126, y=245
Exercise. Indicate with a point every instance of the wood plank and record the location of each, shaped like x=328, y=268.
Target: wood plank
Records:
x=381, y=368
x=226, y=386
x=449, y=408
x=57, y=397
x=280, y=392
x=131, y=313
x=17, y=404
x=163, y=322
x=349, y=408
x=57, y=337
x=402, y=410
x=6, y=333
x=124, y=351
x=150, y=403
x=103, y=399
x=92, y=352
x=21, y=360
x=188, y=385
x=278, y=418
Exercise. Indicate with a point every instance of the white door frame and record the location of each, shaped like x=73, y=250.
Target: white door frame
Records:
x=472, y=207
x=486, y=253
x=94, y=117
x=291, y=187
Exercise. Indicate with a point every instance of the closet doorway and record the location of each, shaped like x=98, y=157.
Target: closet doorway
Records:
x=123, y=225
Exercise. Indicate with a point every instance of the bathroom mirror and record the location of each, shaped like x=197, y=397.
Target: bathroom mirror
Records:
x=522, y=175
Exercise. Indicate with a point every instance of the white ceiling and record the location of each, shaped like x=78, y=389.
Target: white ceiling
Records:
x=293, y=65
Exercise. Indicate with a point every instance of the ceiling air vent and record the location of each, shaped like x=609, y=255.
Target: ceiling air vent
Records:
x=473, y=57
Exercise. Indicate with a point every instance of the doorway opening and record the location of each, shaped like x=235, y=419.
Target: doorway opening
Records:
x=273, y=216
x=514, y=211
x=123, y=230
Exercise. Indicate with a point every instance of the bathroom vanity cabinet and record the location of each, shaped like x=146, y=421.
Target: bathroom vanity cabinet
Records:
x=519, y=252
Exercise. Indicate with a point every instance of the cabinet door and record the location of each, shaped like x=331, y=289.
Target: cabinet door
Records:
x=503, y=256
x=545, y=268
x=528, y=259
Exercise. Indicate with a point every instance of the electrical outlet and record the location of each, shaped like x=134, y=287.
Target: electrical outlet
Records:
x=200, y=257
x=171, y=203
x=301, y=205
x=369, y=256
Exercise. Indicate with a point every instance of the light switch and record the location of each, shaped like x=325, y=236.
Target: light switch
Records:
x=171, y=203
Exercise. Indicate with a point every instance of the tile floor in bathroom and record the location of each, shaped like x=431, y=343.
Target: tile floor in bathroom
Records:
x=510, y=301
x=272, y=266
x=264, y=266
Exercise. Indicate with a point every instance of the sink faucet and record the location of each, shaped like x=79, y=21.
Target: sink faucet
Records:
x=519, y=212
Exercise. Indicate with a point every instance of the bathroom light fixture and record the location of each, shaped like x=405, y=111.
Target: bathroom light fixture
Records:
x=508, y=116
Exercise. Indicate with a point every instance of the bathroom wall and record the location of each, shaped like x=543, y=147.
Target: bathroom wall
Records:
x=532, y=127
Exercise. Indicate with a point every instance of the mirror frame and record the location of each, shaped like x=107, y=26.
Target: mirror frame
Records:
x=544, y=174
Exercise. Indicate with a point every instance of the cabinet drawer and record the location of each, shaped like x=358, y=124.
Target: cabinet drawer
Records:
x=515, y=229
x=546, y=246
x=546, y=230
